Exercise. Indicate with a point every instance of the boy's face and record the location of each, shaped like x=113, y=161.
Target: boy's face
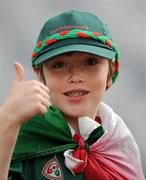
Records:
x=77, y=82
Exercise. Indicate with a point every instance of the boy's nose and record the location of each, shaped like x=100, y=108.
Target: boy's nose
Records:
x=76, y=75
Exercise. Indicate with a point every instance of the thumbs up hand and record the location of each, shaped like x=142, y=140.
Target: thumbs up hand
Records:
x=26, y=98
x=19, y=77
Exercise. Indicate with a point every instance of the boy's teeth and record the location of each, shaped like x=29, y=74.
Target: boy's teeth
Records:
x=76, y=93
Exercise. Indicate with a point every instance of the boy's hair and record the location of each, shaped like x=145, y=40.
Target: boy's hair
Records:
x=111, y=70
x=75, y=31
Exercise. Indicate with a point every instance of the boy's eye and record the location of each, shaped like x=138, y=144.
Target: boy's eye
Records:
x=59, y=65
x=91, y=61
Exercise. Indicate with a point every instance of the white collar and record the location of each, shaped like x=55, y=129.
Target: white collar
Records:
x=87, y=125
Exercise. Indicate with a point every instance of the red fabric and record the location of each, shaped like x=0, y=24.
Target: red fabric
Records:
x=97, y=34
x=39, y=44
x=80, y=153
x=94, y=167
x=34, y=54
x=63, y=33
x=82, y=35
x=116, y=67
x=108, y=43
x=51, y=41
x=97, y=119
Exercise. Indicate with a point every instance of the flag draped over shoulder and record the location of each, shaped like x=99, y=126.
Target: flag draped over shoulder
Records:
x=115, y=155
x=43, y=135
x=102, y=151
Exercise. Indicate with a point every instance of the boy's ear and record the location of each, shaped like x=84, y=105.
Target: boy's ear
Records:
x=38, y=72
x=109, y=83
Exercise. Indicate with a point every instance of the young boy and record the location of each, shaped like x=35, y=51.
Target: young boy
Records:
x=59, y=126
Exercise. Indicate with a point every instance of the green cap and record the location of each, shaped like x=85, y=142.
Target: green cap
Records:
x=74, y=31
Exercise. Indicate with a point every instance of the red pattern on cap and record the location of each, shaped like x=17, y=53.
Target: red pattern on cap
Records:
x=82, y=35
x=97, y=34
x=39, y=44
x=34, y=54
x=63, y=33
x=116, y=67
x=108, y=44
x=51, y=41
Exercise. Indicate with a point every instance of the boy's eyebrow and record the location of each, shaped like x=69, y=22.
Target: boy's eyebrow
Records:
x=51, y=60
x=95, y=56
x=59, y=57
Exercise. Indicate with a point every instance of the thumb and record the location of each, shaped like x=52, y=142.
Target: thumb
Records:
x=19, y=72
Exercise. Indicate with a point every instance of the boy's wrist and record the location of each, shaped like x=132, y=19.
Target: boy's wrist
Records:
x=8, y=135
x=8, y=121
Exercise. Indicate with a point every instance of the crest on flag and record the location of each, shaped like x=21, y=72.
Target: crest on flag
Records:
x=52, y=170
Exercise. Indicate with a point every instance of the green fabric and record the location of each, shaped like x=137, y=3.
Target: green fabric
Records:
x=16, y=171
x=46, y=135
x=31, y=169
x=74, y=20
x=95, y=135
x=40, y=139
x=43, y=135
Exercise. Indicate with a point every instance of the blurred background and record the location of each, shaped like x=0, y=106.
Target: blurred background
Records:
x=21, y=22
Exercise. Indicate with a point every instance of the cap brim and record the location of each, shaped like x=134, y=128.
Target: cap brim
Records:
x=95, y=49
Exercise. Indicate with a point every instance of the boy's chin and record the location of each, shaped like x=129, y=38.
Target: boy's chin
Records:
x=76, y=114
x=76, y=111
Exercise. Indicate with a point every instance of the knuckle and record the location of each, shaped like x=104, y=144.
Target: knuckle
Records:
x=45, y=110
x=38, y=107
x=36, y=89
x=34, y=82
x=38, y=97
x=42, y=110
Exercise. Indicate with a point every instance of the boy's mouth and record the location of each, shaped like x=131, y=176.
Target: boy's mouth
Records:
x=76, y=93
